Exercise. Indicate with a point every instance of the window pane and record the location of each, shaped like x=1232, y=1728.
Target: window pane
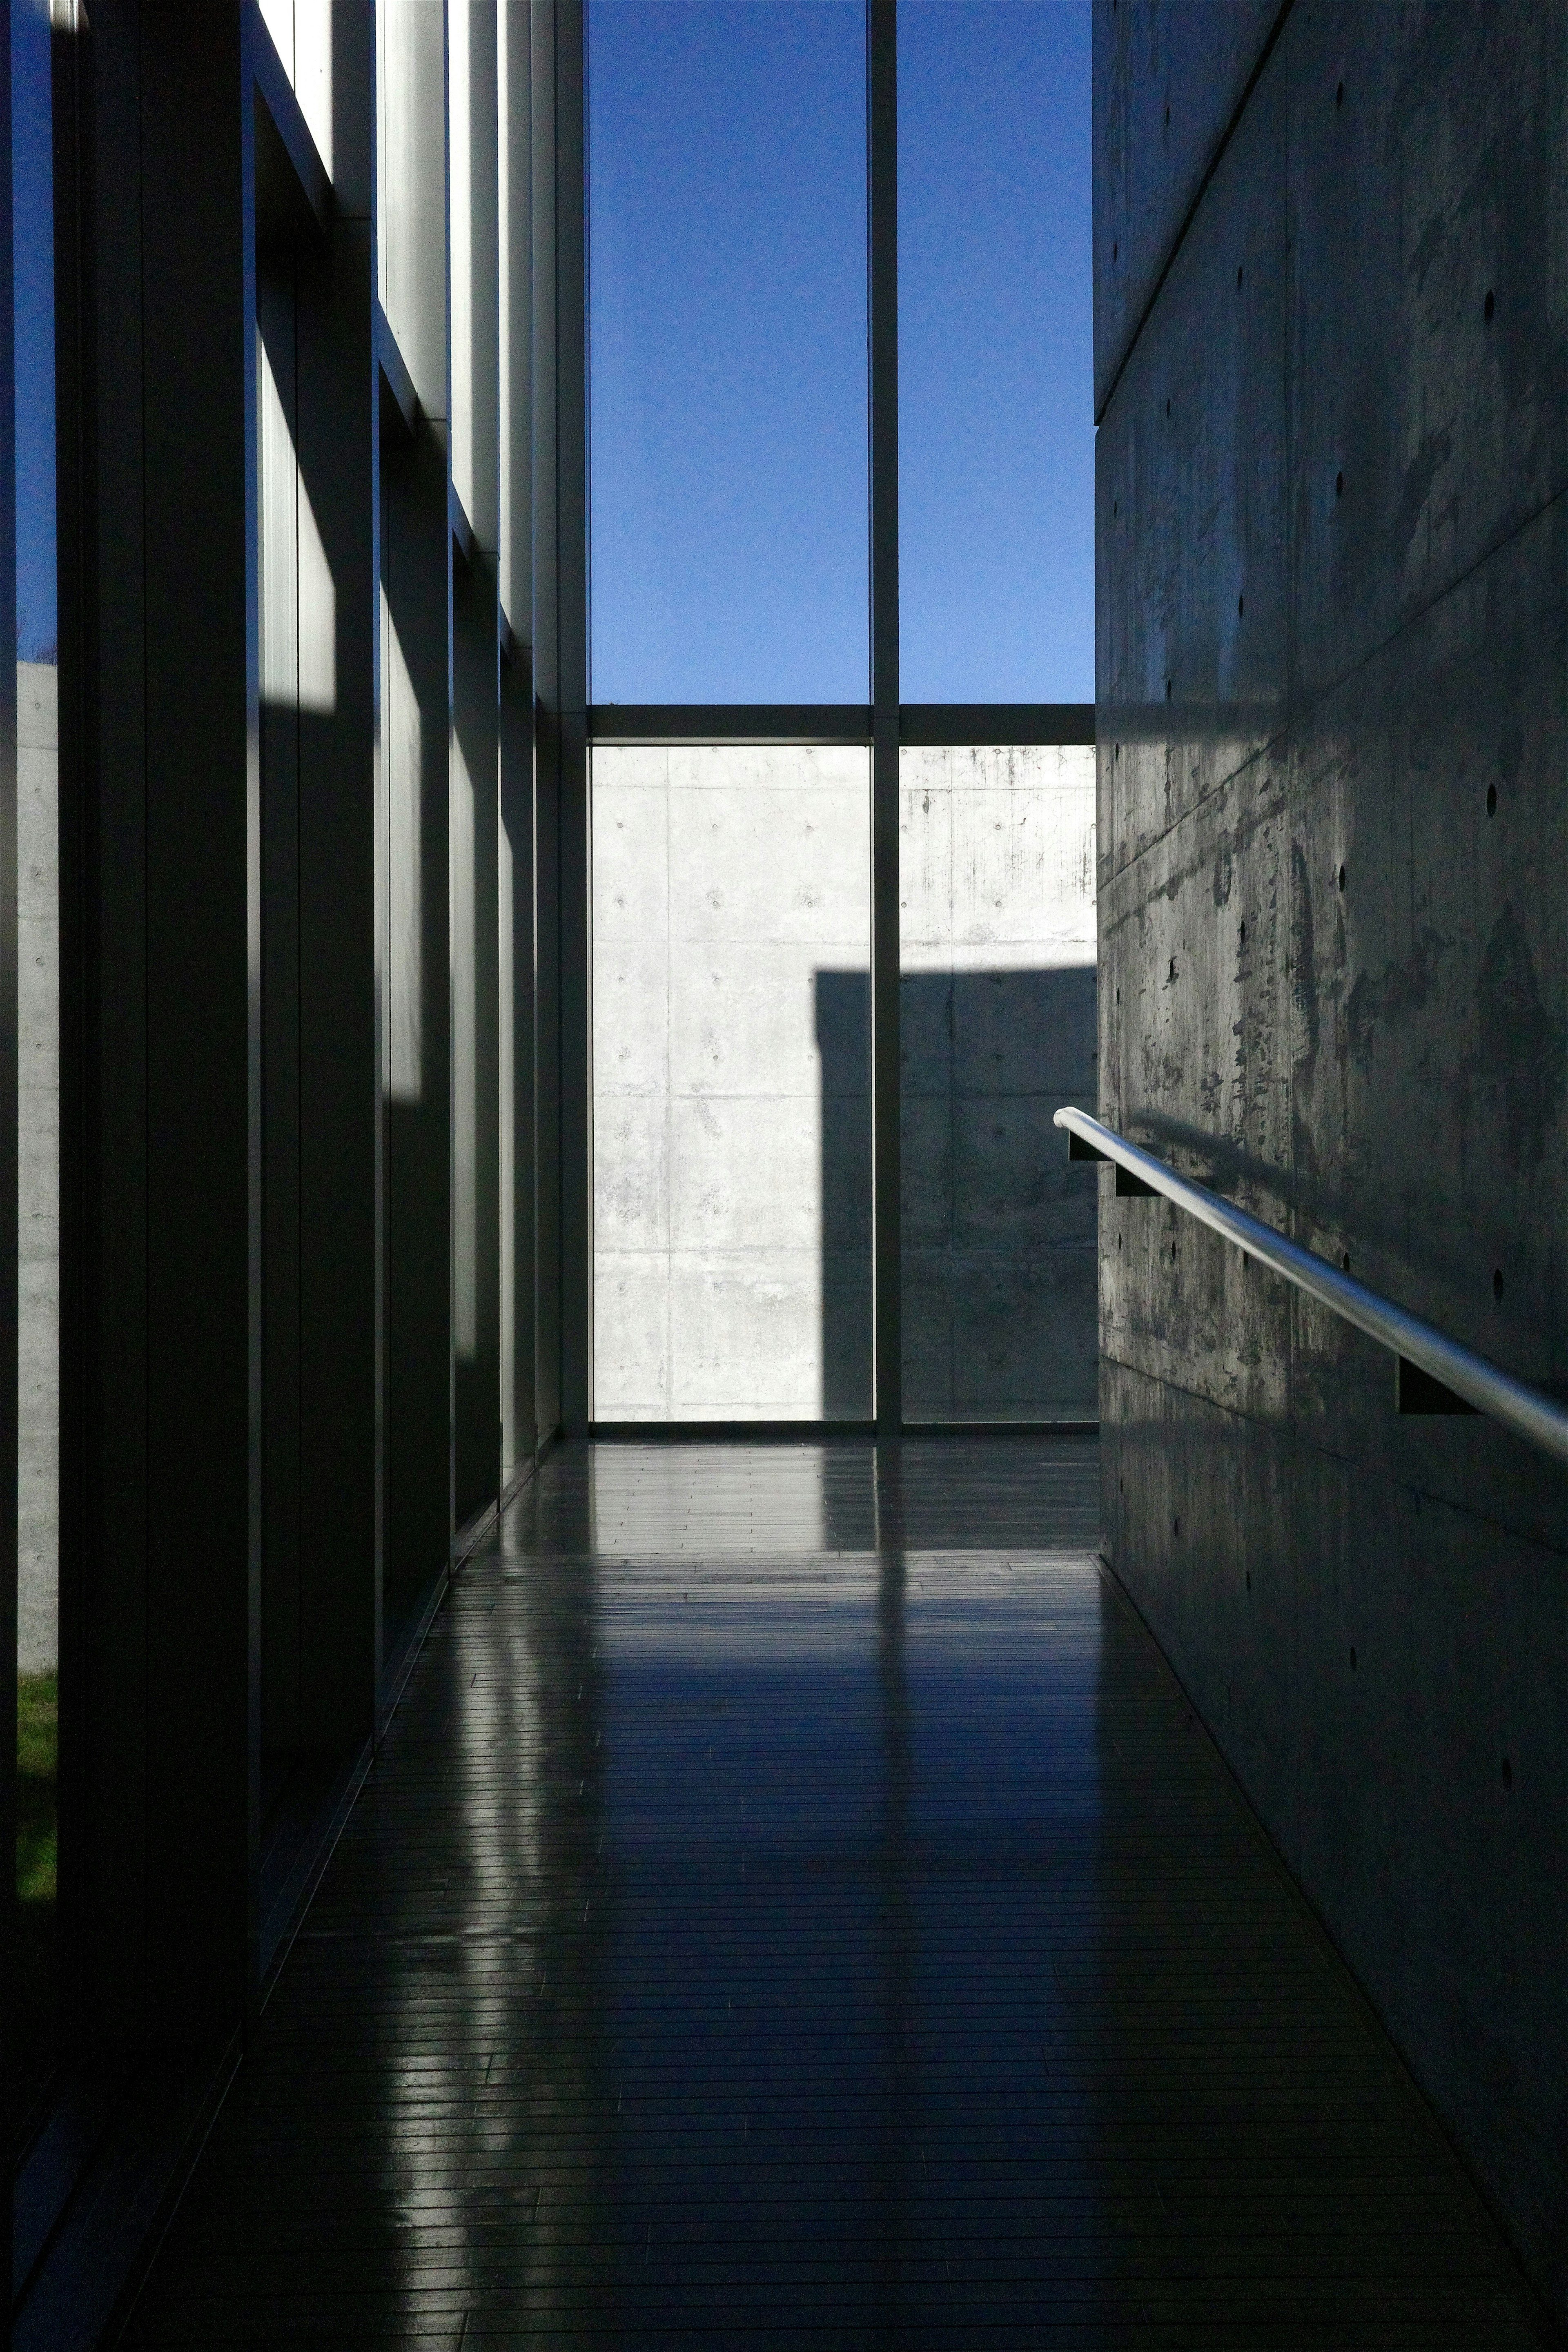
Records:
x=995, y=392
x=997, y=1005
x=731, y=1083
x=37, y=1043
x=727, y=223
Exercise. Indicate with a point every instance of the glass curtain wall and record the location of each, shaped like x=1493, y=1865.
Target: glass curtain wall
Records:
x=37, y=870
x=726, y=325
x=996, y=837
x=731, y=881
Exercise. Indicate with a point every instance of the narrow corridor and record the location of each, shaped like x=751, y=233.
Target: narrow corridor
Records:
x=796, y=1909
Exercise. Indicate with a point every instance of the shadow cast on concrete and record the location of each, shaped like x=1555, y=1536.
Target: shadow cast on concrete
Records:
x=1000, y=1230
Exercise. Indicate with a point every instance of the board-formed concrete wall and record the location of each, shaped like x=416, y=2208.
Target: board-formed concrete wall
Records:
x=1332, y=686
x=37, y=1168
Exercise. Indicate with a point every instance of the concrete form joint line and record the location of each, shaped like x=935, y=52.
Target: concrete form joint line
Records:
x=1195, y=808
x=1221, y=144
x=1308, y=710
x=1483, y=1386
x=1301, y=1434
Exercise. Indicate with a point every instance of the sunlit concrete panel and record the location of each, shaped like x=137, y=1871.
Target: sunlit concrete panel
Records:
x=746, y=1333
x=732, y=1082
x=632, y=978
x=997, y=1009
x=742, y=1009
x=632, y=1354
x=725, y=1193
x=632, y=1188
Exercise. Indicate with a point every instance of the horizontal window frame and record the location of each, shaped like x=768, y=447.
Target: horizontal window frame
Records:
x=921, y=725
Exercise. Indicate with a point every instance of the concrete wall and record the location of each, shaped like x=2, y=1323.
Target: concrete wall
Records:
x=997, y=999
x=732, y=1143
x=1332, y=679
x=731, y=1134
x=38, y=1168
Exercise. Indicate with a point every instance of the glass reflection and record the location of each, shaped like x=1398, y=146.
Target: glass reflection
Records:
x=735, y=1962
x=746, y=1941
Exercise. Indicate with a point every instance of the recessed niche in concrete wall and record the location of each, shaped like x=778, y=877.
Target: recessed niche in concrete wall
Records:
x=732, y=1069
x=997, y=1007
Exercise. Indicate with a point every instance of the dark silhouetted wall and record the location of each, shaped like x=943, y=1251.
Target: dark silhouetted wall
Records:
x=1330, y=300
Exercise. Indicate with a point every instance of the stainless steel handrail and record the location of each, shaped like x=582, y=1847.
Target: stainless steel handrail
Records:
x=1522, y=1409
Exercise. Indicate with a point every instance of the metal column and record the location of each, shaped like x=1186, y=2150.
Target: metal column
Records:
x=881, y=139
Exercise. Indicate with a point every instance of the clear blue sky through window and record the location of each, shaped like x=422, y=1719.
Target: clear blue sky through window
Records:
x=727, y=272
x=728, y=350
x=996, y=390
x=32, y=196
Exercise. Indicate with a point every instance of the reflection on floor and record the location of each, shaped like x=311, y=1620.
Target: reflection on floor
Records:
x=792, y=1908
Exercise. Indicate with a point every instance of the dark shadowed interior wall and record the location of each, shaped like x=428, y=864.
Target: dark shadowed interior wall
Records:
x=1332, y=667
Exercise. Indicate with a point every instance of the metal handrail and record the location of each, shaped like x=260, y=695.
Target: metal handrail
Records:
x=1533, y=1415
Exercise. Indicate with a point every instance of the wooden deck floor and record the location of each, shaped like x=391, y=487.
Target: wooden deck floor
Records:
x=788, y=1914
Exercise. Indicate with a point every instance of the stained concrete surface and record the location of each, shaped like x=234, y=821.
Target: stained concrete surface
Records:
x=733, y=1152
x=38, y=1167
x=1332, y=673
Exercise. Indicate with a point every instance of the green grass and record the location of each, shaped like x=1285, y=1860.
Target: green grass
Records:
x=37, y=1762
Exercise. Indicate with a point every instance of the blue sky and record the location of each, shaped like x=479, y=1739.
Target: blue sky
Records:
x=32, y=189
x=728, y=350
x=727, y=191
x=996, y=379
x=728, y=280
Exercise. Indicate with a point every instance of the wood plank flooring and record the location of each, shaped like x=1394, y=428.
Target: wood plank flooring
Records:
x=795, y=1911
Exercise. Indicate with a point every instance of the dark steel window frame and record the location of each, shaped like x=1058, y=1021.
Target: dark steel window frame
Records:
x=919, y=724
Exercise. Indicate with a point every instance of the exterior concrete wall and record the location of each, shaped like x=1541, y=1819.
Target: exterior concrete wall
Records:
x=731, y=1083
x=731, y=1129
x=38, y=1168
x=997, y=1003
x=1332, y=680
